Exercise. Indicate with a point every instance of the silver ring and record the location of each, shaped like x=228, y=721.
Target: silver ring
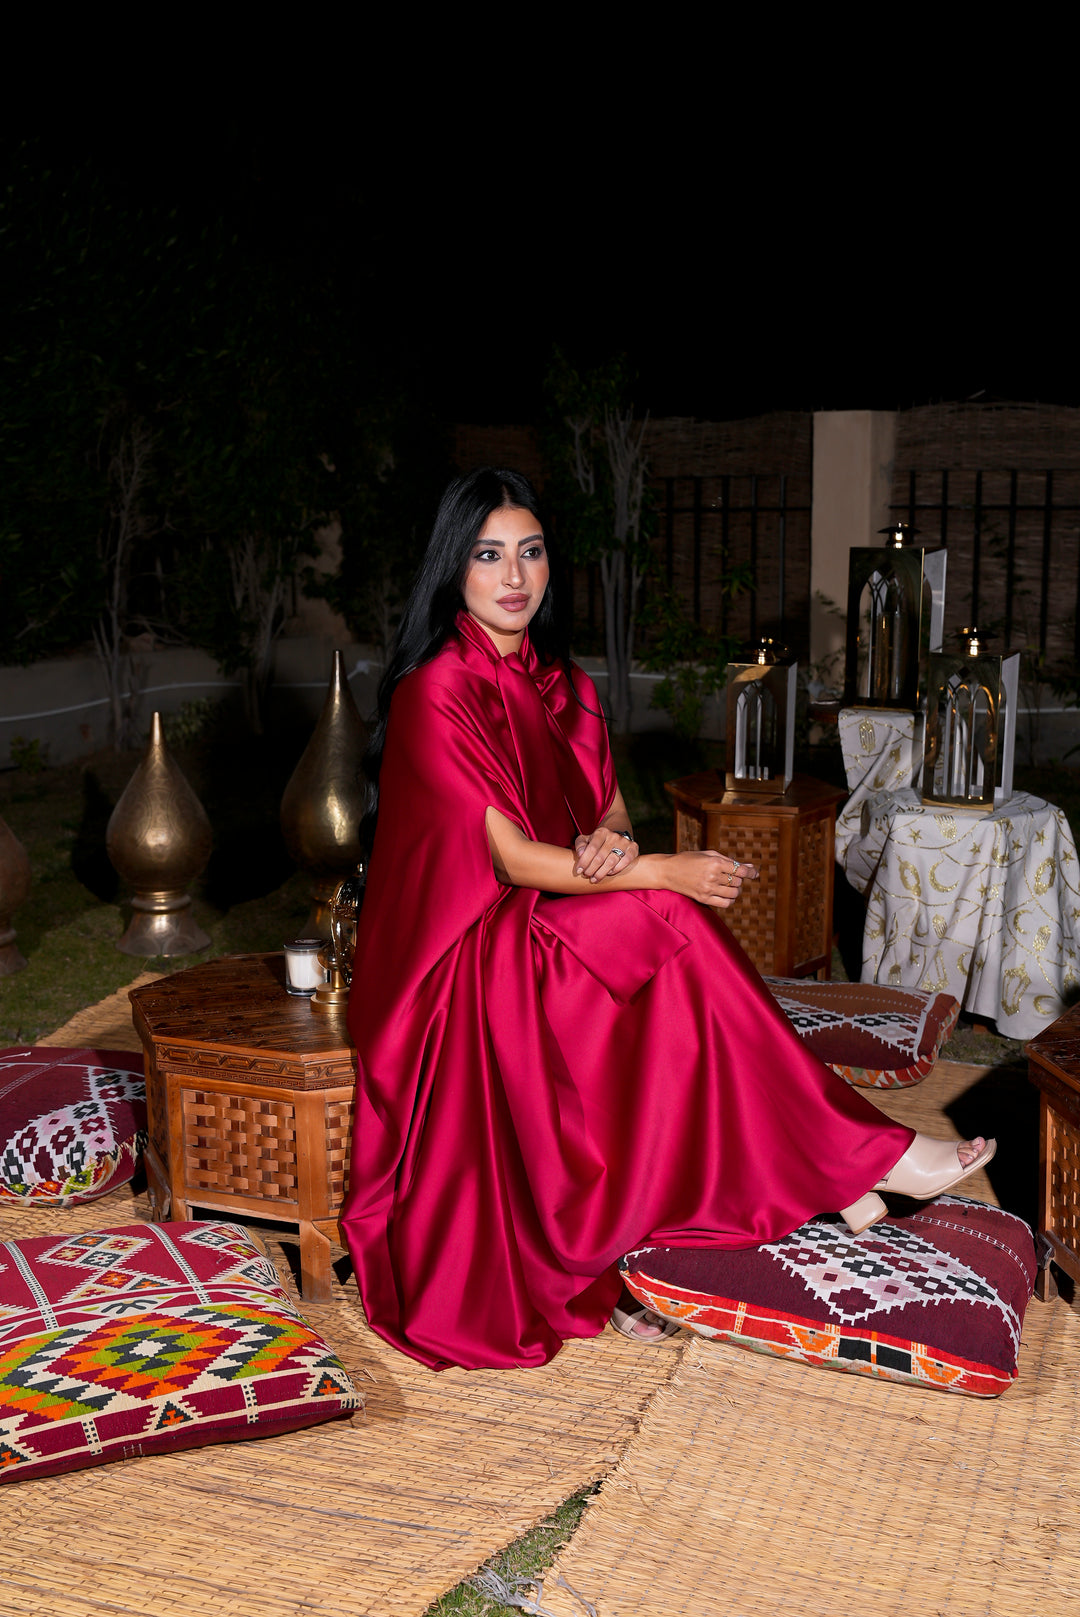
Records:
x=618, y=852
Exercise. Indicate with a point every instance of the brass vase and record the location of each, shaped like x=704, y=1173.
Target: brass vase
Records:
x=323, y=803
x=14, y=890
x=338, y=953
x=159, y=840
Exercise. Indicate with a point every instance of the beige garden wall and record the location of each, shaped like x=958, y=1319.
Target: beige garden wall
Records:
x=854, y=452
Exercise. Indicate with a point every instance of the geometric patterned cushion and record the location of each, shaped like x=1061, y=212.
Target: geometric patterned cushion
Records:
x=873, y=1035
x=72, y=1123
x=149, y=1338
x=937, y=1298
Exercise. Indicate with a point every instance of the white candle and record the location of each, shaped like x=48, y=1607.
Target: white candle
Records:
x=304, y=971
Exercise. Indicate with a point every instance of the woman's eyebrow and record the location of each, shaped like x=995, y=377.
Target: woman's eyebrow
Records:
x=491, y=544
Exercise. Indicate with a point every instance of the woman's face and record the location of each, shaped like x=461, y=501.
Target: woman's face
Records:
x=506, y=576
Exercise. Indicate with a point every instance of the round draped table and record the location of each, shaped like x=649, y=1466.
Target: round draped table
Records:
x=985, y=906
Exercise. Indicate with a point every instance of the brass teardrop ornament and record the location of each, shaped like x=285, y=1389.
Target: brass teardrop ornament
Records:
x=159, y=840
x=14, y=891
x=323, y=804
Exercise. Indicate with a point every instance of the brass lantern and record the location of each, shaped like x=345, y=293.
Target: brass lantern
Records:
x=337, y=954
x=970, y=726
x=895, y=616
x=761, y=720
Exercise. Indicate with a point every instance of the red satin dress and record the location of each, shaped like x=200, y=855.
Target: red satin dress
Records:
x=548, y=1082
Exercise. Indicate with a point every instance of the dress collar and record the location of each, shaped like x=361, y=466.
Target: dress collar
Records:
x=526, y=659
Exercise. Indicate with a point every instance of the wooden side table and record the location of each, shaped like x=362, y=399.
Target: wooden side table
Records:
x=1054, y=1067
x=250, y=1098
x=784, y=920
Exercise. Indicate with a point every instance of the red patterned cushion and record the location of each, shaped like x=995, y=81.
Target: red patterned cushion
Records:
x=148, y=1338
x=872, y=1035
x=72, y=1123
x=937, y=1299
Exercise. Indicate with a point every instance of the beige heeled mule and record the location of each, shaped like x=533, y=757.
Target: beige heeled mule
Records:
x=928, y=1168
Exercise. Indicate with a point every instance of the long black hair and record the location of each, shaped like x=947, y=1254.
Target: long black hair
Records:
x=436, y=599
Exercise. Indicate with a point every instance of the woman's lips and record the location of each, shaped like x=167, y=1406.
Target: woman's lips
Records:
x=514, y=603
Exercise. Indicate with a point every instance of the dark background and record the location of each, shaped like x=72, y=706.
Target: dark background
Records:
x=841, y=273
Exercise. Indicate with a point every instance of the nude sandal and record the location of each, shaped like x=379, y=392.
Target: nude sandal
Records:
x=623, y=1320
x=928, y=1168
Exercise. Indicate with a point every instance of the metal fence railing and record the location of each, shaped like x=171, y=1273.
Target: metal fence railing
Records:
x=1013, y=539
x=705, y=526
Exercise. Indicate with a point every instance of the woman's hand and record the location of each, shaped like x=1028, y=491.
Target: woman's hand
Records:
x=711, y=878
x=604, y=853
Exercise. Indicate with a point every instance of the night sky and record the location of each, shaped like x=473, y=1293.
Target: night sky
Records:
x=732, y=288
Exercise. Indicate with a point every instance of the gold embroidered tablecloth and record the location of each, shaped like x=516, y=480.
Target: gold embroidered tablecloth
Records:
x=883, y=751
x=984, y=906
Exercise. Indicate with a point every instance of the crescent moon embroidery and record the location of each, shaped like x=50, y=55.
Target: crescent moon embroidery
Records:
x=1045, y=1005
x=939, y=887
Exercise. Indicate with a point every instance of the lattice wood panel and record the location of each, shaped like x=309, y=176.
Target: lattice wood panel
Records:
x=687, y=832
x=338, y=1148
x=239, y=1144
x=753, y=918
x=815, y=869
x=1063, y=1213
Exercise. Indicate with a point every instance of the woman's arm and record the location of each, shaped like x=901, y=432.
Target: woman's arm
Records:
x=709, y=877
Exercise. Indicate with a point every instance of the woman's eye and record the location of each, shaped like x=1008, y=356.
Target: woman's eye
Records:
x=533, y=551
x=486, y=555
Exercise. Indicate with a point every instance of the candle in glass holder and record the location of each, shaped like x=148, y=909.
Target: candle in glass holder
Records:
x=304, y=971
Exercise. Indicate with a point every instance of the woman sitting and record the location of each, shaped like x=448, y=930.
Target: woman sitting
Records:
x=563, y=1053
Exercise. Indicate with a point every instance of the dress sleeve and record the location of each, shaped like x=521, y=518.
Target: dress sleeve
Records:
x=430, y=877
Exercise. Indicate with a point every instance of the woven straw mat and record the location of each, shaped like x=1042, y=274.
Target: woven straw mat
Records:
x=756, y=1488
x=377, y=1514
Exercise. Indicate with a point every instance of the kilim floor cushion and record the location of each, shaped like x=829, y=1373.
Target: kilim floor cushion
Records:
x=872, y=1035
x=72, y=1123
x=152, y=1337
x=937, y=1298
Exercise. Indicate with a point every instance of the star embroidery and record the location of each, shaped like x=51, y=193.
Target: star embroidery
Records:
x=1040, y=836
x=915, y=835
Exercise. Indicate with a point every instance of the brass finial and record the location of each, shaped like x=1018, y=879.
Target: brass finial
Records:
x=897, y=534
x=767, y=651
x=14, y=890
x=159, y=840
x=323, y=803
x=970, y=640
x=337, y=955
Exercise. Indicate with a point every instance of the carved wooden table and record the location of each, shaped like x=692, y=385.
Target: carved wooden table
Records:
x=784, y=920
x=1054, y=1067
x=250, y=1097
